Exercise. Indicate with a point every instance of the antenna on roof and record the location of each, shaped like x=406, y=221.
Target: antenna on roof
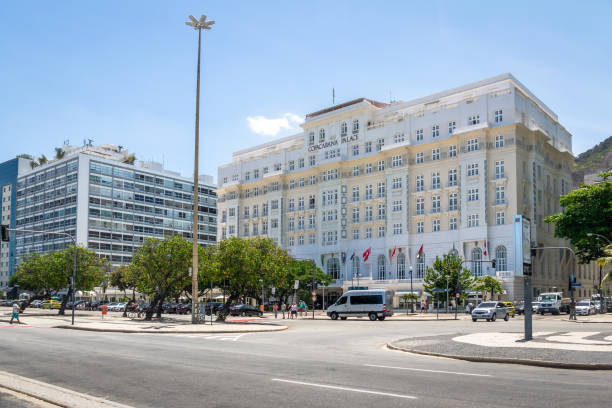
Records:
x=390, y=96
x=333, y=96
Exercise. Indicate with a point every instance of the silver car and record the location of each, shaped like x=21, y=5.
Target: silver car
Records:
x=490, y=311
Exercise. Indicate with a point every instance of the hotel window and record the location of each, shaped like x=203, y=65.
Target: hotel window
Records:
x=368, y=213
x=499, y=169
x=435, y=131
x=321, y=135
x=381, y=232
x=255, y=229
x=368, y=168
x=266, y=170
x=472, y=169
x=368, y=147
x=398, y=138
x=381, y=189
x=343, y=129
x=247, y=175
x=500, y=195
x=396, y=161
x=232, y=229
x=381, y=165
x=264, y=209
x=264, y=227
x=420, y=206
x=452, y=224
x=256, y=173
x=397, y=205
x=368, y=233
x=397, y=229
x=472, y=194
x=301, y=222
x=419, y=135
x=232, y=212
x=355, y=234
x=355, y=171
x=311, y=160
x=311, y=221
x=499, y=116
x=255, y=211
x=355, y=150
x=499, y=141
x=311, y=239
x=277, y=167
x=300, y=163
x=368, y=192
x=452, y=202
x=500, y=218
x=313, y=181
x=246, y=230
x=355, y=193
x=474, y=120
x=435, y=204
x=435, y=225
x=435, y=180
x=274, y=204
x=379, y=144
x=396, y=183
x=452, y=177
x=224, y=216
x=291, y=205
x=301, y=204
x=291, y=184
x=274, y=223
x=224, y=180
x=419, y=158
x=301, y=240
x=291, y=241
x=452, y=151
x=247, y=193
x=473, y=220
x=275, y=186
x=435, y=154
x=420, y=227
x=472, y=145
x=355, y=125
x=311, y=138
x=355, y=215
x=420, y=183
x=451, y=127
x=291, y=223
x=291, y=165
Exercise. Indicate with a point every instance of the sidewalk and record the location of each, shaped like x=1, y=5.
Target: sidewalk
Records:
x=397, y=316
x=570, y=350
x=92, y=321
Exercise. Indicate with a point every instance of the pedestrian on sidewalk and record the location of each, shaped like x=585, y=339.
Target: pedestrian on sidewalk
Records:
x=422, y=305
x=283, y=309
x=294, y=311
x=427, y=305
x=16, y=310
x=275, y=309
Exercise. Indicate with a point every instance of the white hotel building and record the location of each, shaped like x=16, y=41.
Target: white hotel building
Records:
x=445, y=171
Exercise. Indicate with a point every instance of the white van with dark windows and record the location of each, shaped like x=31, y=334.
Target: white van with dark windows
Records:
x=374, y=303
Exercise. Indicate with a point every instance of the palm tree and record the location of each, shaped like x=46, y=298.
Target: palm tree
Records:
x=130, y=159
x=34, y=163
x=42, y=160
x=59, y=153
x=606, y=261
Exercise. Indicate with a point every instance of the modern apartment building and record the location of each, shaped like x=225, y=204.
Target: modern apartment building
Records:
x=444, y=172
x=109, y=205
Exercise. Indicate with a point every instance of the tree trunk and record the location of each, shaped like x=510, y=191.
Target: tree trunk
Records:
x=224, y=311
x=154, y=307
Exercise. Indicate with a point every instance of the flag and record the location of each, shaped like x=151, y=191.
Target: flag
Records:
x=485, y=248
x=420, y=252
x=353, y=256
x=393, y=253
x=367, y=253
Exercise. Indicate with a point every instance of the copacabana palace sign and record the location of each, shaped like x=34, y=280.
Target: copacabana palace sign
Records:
x=331, y=143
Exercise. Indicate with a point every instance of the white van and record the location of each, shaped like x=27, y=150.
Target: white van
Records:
x=374, y=303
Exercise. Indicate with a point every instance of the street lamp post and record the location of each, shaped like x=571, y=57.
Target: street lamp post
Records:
x=602, y=303
x=411, y=292
x=197, y=25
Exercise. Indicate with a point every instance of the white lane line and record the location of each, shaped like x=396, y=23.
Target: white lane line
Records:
x=333, y=387
x=428, y=371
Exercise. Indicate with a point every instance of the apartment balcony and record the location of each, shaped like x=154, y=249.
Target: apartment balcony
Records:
x=274, y=173
x=471, y=128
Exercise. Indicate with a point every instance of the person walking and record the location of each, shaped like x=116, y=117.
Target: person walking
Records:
x=283, y=309
x=294, y=311
x=275, y=309
x=16, y=310
x=422, y=305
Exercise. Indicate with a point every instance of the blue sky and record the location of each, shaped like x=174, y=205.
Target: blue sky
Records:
x=123, y=72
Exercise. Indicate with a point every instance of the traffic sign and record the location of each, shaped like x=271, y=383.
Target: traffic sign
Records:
x=458, y=295
x=436, y=290
x=576, y=284
x=296, y=284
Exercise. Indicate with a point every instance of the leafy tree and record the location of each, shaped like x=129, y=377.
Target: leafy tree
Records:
x=445, y=272
x=487, y=284
x=301, y=270
x=588, y=209
x=34, y=275
x=159, y=267
x=124, y=279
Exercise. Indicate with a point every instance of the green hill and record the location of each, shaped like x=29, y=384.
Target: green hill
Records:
x=594, y=160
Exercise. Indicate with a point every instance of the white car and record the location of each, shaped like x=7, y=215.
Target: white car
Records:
x=111, y=306
x=119, y=307
x=585, y=308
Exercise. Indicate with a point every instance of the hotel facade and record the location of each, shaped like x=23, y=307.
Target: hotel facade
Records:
x=444, y=172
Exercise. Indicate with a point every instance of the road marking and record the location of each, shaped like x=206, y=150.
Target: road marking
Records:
x=221, y=337
x=428, y=371
x=334, y=387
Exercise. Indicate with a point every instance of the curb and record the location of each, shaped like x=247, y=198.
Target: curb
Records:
x=521, y=361
x=95, y=329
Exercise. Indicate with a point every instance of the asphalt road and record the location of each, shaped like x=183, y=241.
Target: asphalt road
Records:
x=313, y=364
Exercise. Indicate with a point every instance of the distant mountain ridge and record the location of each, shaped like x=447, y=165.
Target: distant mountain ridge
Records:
x=595, y=160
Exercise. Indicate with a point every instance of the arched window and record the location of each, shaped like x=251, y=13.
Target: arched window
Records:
x=343, y=129
x=321, y=135
x=420, y=266
x=476, y=266
x=381, y=267
x=356, y=125
x=355, y=266
x=401, y=266
x=501, y=258
x=333, y=268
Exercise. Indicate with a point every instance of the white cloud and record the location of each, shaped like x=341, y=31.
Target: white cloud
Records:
x=272, y=126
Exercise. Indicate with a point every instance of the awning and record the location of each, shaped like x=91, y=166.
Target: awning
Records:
x=404, y=292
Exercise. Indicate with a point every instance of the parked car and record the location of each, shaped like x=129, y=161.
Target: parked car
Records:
x=183, y=308
x=213, y=306
x=535, y=306
x=510, y=307
x=244, y=310
x=519, y=308
x=490, y=311
x=97, y=304
x=36, y=303
x=111, y=305
x=51, y=304
x=585, y=308
x=117, y=307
